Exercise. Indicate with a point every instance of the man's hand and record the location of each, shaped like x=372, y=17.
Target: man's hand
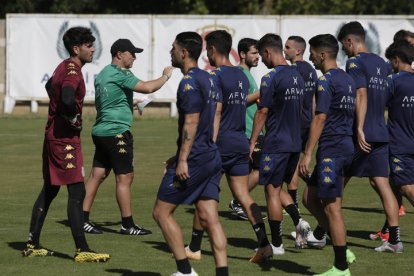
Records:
x=304, y=166
x=182, y=170
x=252, y=146
x=75, y=122
x=365, y=147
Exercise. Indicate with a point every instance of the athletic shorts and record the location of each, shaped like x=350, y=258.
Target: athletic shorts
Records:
x=114, y=152
x=204, y=182
x=62, y=162
x=402, y=169
x=276, y=168
x=372, y=164
x=257, y=153
x=235, y=164
x=328, y=175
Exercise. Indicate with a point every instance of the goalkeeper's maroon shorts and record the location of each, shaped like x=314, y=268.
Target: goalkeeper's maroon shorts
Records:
x=62, y=162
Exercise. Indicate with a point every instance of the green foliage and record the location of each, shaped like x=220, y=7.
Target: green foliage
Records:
x=209, y=6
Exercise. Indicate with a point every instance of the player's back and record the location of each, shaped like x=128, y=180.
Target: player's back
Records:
x=282, y=92
x=196, y=95
x=310, y=77
x=370, y=71
x=233, y=86
x=66, y=74
x=401, y=113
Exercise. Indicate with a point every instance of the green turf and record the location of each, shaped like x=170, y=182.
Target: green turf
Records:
x=21, y=181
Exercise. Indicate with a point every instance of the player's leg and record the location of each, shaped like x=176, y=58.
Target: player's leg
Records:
x=274, y=213
x=163, y=215
x=207, y=210
x=292, y=187
x=193, y=250
x=39, y=212
x=408, y=192
x=97, y=176
x=76, y=194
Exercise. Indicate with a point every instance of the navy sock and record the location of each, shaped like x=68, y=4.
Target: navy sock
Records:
x=128, y=222
x=196, y=237
x=276, y=231
x=319, y=233
x=340, y=257
x=293, y=212
x=222, y=271
x=294, y=194
x=183, y=266
x=394, y=234
x=260, y=231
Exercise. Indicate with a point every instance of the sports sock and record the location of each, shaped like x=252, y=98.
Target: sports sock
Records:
x=319, y=233
x=86, y=216
x=196, y=237
x=385, y=229
x=260, y=231
x=222, y=271
x=183, y=266
x=394, y=234
x=340, y=257
x=128, y=222
x=294, y=194
x=293, y=212
x=75, y=214
x=39, y=212
x=276, y=231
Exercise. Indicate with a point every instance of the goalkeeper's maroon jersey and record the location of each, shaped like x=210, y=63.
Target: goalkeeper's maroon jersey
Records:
x=67, y=74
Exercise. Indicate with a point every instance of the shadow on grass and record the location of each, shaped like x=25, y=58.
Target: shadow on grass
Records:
x=242, y=242
x=19, y=246
x=286, y=266
x=127, y=272
x=162, y=246
x=364, y=210
x=100, y=225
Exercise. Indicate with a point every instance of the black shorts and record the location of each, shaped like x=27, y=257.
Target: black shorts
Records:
x=114, y=152
x=257, y=153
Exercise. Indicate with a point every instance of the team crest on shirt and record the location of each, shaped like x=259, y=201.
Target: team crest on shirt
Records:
x=188, y=87
x=327, y=179
x=267, y=158
x=352, y=65
x=212, y=73
x=70, y=166
x=121, y=143
x=119, y=136
x=322, y=78
x=69, y=156
x=72, y=72
x=327, y=160
x=122, y=150
x=264, y=84
x=266, y=168
x=320, y=88
x=187, y=77
x=69, y=147
x=327, y=170
x=397, y=169
x=396, y=160
x=71, y=66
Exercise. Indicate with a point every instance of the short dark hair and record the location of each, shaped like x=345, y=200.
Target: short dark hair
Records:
x=325, y=41
x=270, y=40
x=298, y=39
x=245, y=44
x=221, y=40
x=402, y=35
x=77, y=36
x=401, y=49
x=192, y=42
x=351, y=28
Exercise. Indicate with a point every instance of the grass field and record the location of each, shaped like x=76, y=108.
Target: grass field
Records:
x=21, y=181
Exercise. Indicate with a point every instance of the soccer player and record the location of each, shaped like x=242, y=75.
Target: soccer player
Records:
x=249, y=57
x=193, y=174
x=332, y=127
x=62, y=154
x=369, y=72
x=281, y=93
x=232, y=87
x=114, y=87
x=401, y=119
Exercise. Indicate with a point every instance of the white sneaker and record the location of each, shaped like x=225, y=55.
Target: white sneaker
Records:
x=278, y=250
x=302, y=231
x=394, y=248
x=312, y=241
x=193, y=273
